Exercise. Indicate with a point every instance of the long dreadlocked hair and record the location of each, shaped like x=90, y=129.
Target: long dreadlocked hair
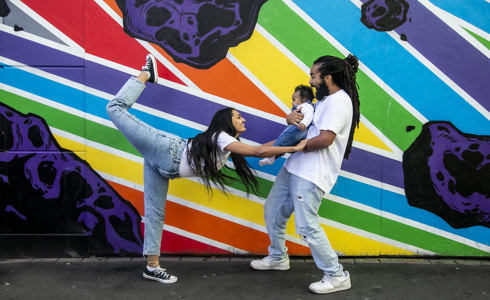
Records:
x=343, y=73
x=202, y=155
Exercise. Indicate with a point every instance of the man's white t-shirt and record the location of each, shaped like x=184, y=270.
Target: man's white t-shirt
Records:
x=224, y=140
x=322, y=167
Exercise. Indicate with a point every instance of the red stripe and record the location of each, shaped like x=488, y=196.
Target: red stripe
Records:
x=101, y=36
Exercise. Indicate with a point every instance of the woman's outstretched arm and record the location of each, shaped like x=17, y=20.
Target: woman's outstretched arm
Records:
x=264, y=150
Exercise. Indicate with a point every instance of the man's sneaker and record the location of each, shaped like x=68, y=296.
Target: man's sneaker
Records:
x=330, y=284
x=267, y=161
x=269, y=263
x=160, y=275
x=151, y=68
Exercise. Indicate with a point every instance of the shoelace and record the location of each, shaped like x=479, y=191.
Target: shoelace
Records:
x=161, y=272
x=327, y=278
x=146, y=67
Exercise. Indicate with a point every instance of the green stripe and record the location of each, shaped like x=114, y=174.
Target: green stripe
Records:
x=386, y=114
x=70, y=123
x=395, y=230
x=331, y=210
x=484, y=41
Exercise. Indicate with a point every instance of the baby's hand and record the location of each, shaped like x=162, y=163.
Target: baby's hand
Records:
x=301, y=126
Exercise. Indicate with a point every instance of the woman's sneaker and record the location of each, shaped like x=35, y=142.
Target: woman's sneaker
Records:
x=151, y=68
x=330, y=284
x=159, y=275
x=269, y=263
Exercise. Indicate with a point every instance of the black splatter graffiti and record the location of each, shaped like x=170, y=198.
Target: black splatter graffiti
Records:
x=384, y=15
x=4, y=9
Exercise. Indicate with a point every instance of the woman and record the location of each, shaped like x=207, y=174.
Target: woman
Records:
x=167, y=156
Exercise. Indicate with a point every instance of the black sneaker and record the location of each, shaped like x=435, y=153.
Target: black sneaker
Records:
x=151, y=68
x=160, y=275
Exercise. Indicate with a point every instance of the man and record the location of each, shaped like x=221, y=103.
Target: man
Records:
x=307, y=176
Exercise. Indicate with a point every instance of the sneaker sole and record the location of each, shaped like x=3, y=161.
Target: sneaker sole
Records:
x=160, y=280
x=337, y=289
x=271, y=269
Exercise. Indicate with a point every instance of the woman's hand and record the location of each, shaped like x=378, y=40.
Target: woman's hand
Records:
x=300, y=146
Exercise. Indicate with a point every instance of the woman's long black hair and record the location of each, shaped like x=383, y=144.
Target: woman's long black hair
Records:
x=343, y=73
x=204, y=148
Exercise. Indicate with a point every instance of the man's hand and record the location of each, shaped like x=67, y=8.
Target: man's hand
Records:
x=295, y=117
x=301, y=127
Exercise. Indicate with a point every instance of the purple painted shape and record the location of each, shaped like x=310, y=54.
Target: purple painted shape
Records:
x=51, y=190
x=10, y=208
x=195, y=32
x=446, y=173
x=448, y=51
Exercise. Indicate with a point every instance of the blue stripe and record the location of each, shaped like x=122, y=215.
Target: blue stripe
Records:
x=395, y=66
x=475, y=12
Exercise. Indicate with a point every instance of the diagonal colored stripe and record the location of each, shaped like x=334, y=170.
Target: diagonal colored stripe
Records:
x=400, y=70
x=482, y=40
x=270, y=66
x=475, y=12
x=373, y=163
x=307, y=45
x=260, y=56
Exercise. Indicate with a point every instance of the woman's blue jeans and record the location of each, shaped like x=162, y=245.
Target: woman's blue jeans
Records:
x=289, y=194
x=161, y=151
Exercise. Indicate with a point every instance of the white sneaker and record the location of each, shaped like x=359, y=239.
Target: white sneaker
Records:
x=330, y=284
x=269, y=263
x=267, y=161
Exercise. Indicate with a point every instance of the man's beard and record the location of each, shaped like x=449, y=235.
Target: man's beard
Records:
x=322, y=91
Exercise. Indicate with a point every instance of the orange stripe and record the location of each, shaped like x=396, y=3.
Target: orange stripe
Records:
x=210, y=226
x=131, y=195
x=223, y=231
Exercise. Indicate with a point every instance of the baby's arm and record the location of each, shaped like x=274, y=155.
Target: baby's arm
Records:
x=307, y=110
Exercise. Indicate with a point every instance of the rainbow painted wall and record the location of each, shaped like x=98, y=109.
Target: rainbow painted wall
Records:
x=417, y=181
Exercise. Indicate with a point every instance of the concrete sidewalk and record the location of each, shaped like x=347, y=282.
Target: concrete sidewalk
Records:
x=232, y=278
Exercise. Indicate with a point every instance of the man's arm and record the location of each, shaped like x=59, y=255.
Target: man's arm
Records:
x=322, y=141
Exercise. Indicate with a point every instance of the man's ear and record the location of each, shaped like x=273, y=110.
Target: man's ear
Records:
x=327, y=78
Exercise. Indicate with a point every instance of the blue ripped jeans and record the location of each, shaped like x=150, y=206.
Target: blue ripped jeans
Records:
x=161, y=151
x=289, y=194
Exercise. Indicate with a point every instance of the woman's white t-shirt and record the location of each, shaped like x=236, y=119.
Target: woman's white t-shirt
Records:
x=224, y=140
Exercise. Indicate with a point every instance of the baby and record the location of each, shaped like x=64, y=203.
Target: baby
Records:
x=302, y=97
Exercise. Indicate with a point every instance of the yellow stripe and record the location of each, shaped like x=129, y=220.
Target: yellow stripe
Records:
x=269, y=65
x=343, y=241
x=280, y=75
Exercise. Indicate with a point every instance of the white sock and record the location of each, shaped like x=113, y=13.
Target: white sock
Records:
x=267, y=161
